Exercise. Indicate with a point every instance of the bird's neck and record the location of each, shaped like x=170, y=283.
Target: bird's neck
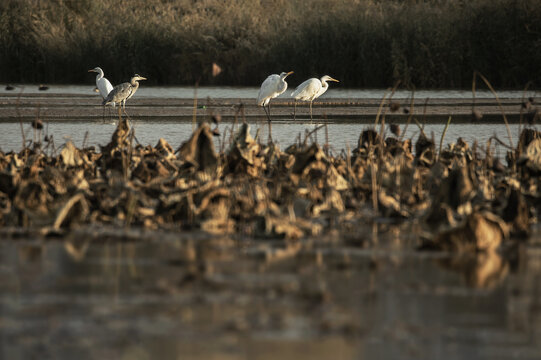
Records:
x=135, y=85
x=283, y=84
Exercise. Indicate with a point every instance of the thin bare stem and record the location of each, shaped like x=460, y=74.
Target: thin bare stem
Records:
x=522, y=107
x=309, y=133
x=194, y=116
x=501, y=142
x=381, y=107
x=473, y=85
x=17, y=104
x=500, y=106
x=410, y=115
x=85, y=138
x=443, y=135
x=374, y=187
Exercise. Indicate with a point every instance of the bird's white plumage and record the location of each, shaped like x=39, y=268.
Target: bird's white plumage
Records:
x=312, y=88
x=273, y=86
x=103, y=85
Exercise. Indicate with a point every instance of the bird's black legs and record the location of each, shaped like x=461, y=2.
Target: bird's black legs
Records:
x=269, y=121
x=294, y=109
x=123, y=106
x=270, y=131
x=267, y=112
x=124, y=109
x=109, y=114
x=311, y=118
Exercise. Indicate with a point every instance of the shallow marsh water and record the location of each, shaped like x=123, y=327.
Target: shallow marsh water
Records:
x=70, y=112
x=340, y=135
x=200, y=297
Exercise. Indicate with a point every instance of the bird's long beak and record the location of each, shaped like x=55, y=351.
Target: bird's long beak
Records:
x=91, y=70
x=289, y=73
x=331, y=79
x=142, y=78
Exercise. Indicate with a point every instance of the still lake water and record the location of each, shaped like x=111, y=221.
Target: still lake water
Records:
x=106, y=299
x=341, y=135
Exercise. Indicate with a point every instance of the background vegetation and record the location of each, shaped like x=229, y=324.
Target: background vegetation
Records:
x=364, y=43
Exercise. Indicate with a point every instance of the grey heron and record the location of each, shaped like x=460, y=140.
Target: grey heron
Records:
x=123, y=92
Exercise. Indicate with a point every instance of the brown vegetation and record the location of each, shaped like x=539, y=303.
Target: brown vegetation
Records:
x=260, y=190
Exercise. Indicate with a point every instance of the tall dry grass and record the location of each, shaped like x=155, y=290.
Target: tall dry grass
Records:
x=364, y=43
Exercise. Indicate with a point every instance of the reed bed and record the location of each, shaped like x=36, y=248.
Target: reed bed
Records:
x=364, y=43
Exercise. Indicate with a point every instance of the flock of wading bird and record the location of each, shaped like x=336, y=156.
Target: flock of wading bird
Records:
x=478, y=200
x=273, y=86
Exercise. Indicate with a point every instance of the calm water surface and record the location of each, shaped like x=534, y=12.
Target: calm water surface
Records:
x=340, y=135
x=152, y=299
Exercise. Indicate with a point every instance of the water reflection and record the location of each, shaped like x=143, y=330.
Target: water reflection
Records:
x=196, y=296
x=479, y=270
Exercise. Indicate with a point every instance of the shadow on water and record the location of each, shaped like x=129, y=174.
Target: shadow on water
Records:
x=201, y=296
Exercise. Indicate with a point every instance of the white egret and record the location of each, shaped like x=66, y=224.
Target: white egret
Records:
x=311, y=89
x=103, y=85
x=123, y=92
x=273, y=86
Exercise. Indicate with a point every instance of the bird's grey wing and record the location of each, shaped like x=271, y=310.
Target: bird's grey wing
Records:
x=133, y=89
x=119, y=93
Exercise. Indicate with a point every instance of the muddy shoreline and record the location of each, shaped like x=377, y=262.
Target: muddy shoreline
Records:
x=55, y=107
